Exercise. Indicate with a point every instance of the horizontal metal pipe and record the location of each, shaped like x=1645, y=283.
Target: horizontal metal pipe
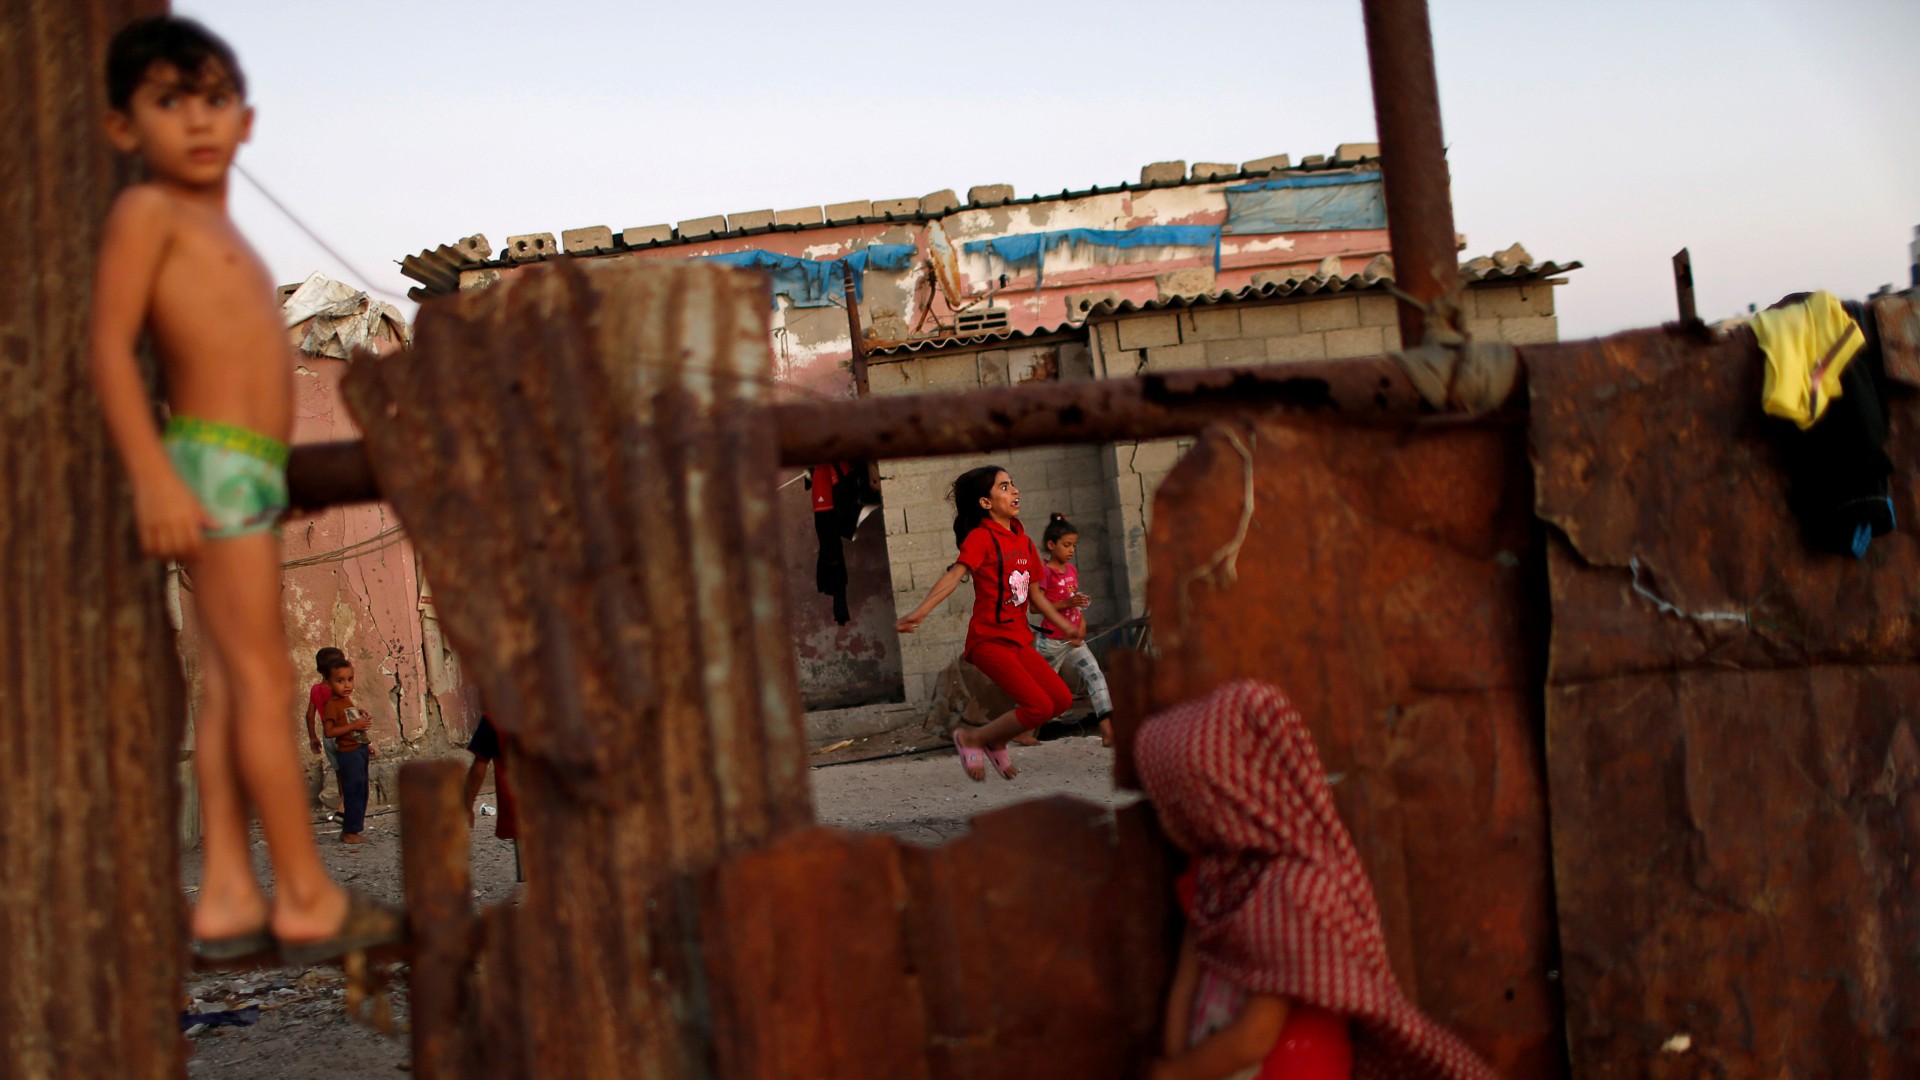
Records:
x=1370, y=390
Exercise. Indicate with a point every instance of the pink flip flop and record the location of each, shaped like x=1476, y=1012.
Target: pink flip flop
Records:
x=1002, y=763
x=972, y=759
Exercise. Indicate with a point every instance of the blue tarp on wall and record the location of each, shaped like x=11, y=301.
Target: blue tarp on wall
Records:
x=1030, y=249
x=1321, y=203
x=816, y=282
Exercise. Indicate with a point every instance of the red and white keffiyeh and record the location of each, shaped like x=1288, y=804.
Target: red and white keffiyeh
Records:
x=1282, y=905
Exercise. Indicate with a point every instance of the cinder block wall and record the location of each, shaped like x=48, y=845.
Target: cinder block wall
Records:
x=1321, y=327
x=1071, y=480
x=1108, y=491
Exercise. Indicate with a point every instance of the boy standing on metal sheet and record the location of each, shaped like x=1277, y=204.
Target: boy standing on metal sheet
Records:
x=210, y=491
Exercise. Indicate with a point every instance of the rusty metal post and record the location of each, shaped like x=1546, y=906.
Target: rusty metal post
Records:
x=851, y=292
x=437, y=876
x=1683, y=287
x=91, y=704
x=1413, y=160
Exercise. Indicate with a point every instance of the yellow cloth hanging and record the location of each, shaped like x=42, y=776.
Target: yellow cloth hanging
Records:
x=1808, y=345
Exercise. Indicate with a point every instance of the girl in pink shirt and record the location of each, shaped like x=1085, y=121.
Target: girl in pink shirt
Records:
x=1060, y=584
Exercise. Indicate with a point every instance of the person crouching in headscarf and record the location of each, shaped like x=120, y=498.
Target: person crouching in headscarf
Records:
x=1283, y=970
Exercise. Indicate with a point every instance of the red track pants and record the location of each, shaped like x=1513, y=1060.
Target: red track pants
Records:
x=1026, y=677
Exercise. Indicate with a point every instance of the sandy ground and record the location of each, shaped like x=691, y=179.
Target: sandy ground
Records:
x=303, y=1032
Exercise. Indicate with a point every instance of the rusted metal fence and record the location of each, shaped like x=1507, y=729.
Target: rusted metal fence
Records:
x=1401, y=572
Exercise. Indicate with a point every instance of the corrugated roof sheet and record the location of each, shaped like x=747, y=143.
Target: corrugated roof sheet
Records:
x=1274, y=285
x=1512, y=264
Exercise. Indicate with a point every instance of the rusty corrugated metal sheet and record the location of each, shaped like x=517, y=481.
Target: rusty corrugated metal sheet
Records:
x=843, y=956
x=92, y=919
x=1388, y=581
x=1731, y=730
x=622, y=615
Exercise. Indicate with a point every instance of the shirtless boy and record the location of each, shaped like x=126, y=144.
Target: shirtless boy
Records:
x=210, y=491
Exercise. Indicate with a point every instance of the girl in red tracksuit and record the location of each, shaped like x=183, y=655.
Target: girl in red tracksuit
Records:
x=1005, y=567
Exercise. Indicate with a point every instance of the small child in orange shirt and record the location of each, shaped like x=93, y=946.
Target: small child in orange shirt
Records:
x=347, y=726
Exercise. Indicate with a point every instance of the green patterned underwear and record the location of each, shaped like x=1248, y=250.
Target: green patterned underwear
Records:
x=239, y=476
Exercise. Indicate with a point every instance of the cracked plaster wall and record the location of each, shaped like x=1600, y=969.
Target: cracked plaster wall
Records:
x=372, y=604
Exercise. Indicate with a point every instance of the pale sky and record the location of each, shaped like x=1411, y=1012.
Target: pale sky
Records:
x=1779, y=141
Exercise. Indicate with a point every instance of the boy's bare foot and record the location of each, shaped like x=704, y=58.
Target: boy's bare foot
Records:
x=217, y=917
x=1025, y=738
x=307, y=919
x=1106, y=732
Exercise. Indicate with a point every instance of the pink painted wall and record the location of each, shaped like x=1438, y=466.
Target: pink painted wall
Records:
x=354, y=582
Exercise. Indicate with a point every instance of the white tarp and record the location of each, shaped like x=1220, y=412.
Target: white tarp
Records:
x=341, y=318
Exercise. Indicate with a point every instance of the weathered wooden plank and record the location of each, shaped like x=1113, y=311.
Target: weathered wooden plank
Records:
x=577, y=456
x=91, y=707
x=1388, y=582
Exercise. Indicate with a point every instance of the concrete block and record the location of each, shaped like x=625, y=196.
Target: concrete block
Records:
x=1090, y=504
x=939, y=202
x=530, y=246
x=1177, y=357
x=1349, y=152
x=641, y=235
x=1379, y=311
x=1156, y=458
x=1512, y=301
x=991, y=367
x=1333, y=313
x=1481, y=329
x=1163, y=172
x=1313, y=159
x=927, y=571
x=845, y=212
x=949, y=371
x=1079, y=304
x=1532, y=330
x=927, y=517
x=1193, y=281
x=475, y=247
x=989, y=194
x=1072, y=468
x=1233, y=352
x=799, y=216
x=750, y=221
x=895, y=518
x=1357, y=341
x=1125, y=363
x=1390, y=336
x=1207, y=170
x=911, y=547
x=1297, y=347
x=900, y=377
x=1148, y=331
x=1267, y=164
x=590, y=239
x=1273, y=321
x=478, y=279
x=1209, y=324
x=895, y=207
x=697, y=228
x=1510, y=257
